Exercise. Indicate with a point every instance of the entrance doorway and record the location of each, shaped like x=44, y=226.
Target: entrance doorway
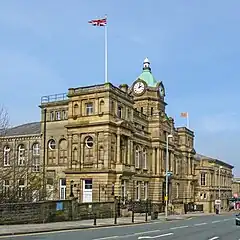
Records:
x=87, y=190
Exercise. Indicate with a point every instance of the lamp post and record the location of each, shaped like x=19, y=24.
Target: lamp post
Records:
x=219, y=186
x=44, y=152
x=167, y=163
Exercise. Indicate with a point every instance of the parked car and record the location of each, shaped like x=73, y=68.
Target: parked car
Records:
x=238, y=219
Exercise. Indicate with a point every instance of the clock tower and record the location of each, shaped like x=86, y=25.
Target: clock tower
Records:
x=148, y=93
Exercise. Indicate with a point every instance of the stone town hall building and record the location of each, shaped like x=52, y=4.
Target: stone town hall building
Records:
x=107, y=141
x=106, y=138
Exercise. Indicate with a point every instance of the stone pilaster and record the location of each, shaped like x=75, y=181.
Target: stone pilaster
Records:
x=158, y=161
x=82, y=154
x=154, y=161
x=128, y=161
x=69, y=151
x=118, y=148
x=96, y=150
x=107, y=141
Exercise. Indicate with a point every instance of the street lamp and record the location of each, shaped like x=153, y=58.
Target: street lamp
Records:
x=219, y=186
x=167, y=163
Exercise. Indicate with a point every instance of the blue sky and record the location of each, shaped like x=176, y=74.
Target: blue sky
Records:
x=48, y=46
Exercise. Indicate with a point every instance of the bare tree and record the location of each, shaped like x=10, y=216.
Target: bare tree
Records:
x=4, y=121
x=20, y=172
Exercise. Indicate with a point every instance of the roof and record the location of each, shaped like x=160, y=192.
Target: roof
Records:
x=146, y=74
x=200, y=157
x=24, y=129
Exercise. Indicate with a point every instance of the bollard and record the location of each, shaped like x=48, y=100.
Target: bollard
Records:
x=132, y=216
x=95, y=219
x=146, y=215
x=115, y=210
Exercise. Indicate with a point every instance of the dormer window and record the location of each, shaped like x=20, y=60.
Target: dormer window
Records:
x=89, y=108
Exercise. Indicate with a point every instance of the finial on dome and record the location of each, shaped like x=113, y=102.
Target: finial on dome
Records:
x=146, y=64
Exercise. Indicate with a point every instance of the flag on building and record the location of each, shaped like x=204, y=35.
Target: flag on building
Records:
x=98, y=22
x=102, y=22
x=184, y=114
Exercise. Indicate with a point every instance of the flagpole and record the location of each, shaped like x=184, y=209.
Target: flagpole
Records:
x=106, y=51
x=187, y=121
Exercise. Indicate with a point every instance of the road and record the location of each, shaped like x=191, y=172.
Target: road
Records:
x=198, y=228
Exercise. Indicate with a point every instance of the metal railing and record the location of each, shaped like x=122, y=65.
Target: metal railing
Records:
x=54, y=98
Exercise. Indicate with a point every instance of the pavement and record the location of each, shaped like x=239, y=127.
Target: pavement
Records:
x=197, y=227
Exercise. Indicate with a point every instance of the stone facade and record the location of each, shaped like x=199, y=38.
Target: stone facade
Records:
x=20, y=165
x=114, y=138
x=214, y=182
x=104, y=141
x=236, y=187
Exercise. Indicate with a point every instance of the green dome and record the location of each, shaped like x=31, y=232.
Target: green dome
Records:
x=146, y=74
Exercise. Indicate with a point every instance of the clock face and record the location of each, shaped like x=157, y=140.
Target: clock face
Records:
x=139, y=87
x=162, y=91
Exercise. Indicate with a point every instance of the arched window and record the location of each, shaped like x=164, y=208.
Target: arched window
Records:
x=88, y=151
x=52, y=144
x=36, y=149
x=36, y=157
x=75, y=157
x=101, y=154
x=112, y=154
x=62, y=151
x=137, y=157
x=75, y=110
x=101, y=106
x=177, y=190
x=123, y=150
x=89, y=142
x=51, y=151
x=144, y=159
x=6, y=153
x=21, y=154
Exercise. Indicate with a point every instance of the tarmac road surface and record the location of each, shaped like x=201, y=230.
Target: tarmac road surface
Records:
x=196, y=228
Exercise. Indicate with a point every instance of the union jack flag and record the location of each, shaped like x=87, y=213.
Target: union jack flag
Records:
x=98, y=22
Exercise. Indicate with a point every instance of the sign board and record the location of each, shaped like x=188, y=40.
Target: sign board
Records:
x=59, y=206
x=166, y=198
x=217, y=202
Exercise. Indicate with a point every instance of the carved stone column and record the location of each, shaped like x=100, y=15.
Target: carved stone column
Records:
x=107, y=143
x=79, y=151
x=96, y=150
x=118, y=148
x=131, y=153
x=158, y=161
x=153, y=161
x=128, y=161
x=69, y=151
x=82, y=154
